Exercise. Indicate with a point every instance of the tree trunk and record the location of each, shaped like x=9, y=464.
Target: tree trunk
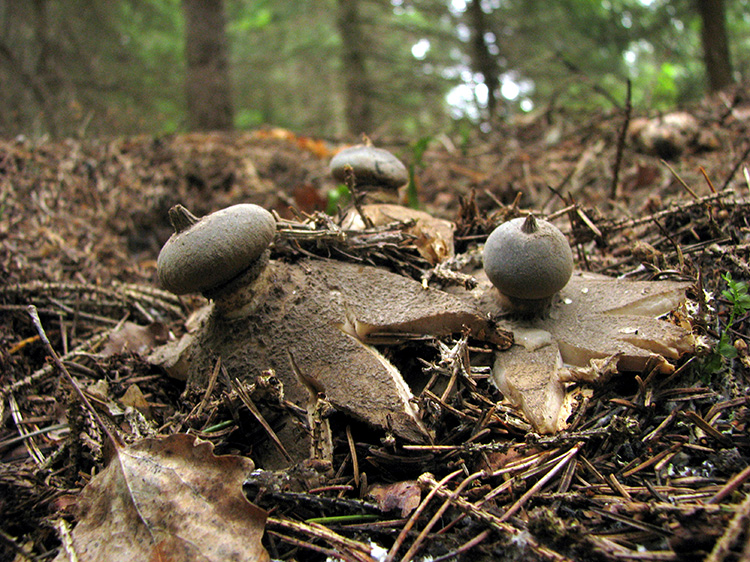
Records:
x=357, y=83
x=208, y=87
x=484, y=62
x=715, y=43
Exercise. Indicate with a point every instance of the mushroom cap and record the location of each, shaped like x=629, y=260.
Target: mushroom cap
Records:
x=372, y=167
x=214, y=250
x=528, y=258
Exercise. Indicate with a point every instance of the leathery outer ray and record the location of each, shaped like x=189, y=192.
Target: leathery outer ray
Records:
x=322, y=316
x=596, y=323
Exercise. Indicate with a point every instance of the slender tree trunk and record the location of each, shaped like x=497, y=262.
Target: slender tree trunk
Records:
x=484, y=62
x=208, y=87
x=45, y=77
x=715, y=43
x=357, y=83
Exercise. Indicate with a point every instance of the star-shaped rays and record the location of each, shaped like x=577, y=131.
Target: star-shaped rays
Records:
x=597, y=324
x=313, y=323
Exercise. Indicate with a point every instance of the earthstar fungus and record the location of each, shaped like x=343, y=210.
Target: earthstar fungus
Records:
x=373, y=168
x=203, y=255
x=313, y=322
x=596, y=326
x=567, y=326
x=528, y=260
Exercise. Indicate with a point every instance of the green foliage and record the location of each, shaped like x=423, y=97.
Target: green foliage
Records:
x=417, y=161
x=248, y=118
x=337, y=198
x=737, y=295
x=76, y=67
x=254, y=17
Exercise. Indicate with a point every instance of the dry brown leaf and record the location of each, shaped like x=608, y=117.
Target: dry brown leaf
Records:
x=134, y=338
x=134, y=398
x=169, y=499
x=405, y=496
x=433, y=237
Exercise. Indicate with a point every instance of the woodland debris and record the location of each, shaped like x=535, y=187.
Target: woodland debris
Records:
x=433, y=237
x=640, y=440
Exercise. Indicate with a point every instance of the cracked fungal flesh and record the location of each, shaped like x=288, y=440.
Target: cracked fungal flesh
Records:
x=594, y=324
x=324, y=315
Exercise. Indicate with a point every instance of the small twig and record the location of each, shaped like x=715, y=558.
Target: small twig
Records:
x=468, y=545
x=438, y=515
x=736, y=167
x=248, y=402
x=417, y=512
x=539, y=485
x=692, y=193
x=29, y=442
x=736, y=527
x=731, y=486
x=30, y=434
x=427, y=480
x=709, y=429
x=209, y=390
x=621, y=143
x=115, y=439
x=48, y=369
x=708, y=180
x=331, y=554
x=653, y=460
x=351, y=184
x=353, y=453
x=357, y=550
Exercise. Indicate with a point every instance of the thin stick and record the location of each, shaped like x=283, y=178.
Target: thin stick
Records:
x=735, y=528
x=492, y=520
x=331, y=554
x=356, y=549
x=692, y=193
x=47, y=369
x=209, y=389
x=731, y=486
x=621, y=143
x=115, y=439
x=351, y=184
x=417, y=512
x=438, y=514
x=248, y=402
x=708, y=180
x=30, y=444
x=536, y=487
x=736, y=167
x=353, y=453
x=30, y=434
x=453, y=555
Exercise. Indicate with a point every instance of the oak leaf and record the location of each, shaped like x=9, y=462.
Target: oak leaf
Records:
x=169, y=499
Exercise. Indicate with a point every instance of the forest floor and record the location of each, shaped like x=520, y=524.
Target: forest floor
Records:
x=652, y=466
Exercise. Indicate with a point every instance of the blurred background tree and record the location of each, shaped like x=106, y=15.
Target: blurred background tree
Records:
x=208, y=88
x=337, y=68
x=76, y=66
